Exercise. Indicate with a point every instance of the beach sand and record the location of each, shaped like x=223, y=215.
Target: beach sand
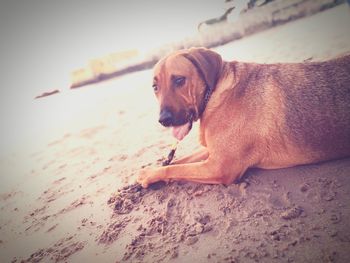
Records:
x=68, y=174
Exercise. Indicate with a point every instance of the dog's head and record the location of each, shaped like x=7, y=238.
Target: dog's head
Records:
x=181, y=83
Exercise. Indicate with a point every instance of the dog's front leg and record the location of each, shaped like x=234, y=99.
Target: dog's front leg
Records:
x=199, y=156
x=209, y=172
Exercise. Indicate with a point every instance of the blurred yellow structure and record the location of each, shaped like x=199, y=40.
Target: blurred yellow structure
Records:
x=98, y=68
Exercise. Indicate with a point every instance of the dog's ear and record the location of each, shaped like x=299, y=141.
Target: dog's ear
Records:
x=208, y=64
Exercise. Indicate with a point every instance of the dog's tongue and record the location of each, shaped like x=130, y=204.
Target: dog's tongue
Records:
x=179, y=132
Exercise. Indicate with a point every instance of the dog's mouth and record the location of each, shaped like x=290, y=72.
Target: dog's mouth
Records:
x=180, y=131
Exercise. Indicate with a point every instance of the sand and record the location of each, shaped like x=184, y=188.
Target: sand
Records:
x=68, y=192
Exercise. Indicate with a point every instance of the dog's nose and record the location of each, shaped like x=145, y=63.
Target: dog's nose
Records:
x=166, y=117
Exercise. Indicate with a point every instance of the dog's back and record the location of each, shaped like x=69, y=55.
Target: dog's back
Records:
x=317, y=106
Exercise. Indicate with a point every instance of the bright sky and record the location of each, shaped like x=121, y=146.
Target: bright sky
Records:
x=42, y=40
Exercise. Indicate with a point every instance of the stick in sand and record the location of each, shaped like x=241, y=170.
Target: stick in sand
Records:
x=171, y=154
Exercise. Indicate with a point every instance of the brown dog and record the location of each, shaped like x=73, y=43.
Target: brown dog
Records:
x=251, y=115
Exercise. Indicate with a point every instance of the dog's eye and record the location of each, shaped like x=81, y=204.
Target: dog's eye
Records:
x=155, y=88
x=179, y=81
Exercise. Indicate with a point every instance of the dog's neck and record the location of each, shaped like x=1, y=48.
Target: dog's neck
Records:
x=228, y=71
x=208, y=92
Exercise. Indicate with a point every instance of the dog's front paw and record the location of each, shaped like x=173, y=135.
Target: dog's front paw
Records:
x=146, y=177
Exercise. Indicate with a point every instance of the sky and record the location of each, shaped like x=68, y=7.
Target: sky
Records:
x=43, y=40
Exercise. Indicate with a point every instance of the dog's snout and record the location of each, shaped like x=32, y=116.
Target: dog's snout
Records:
x=166, y=117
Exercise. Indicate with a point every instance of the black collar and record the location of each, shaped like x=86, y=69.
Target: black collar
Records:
x=207, y=95
x=208, y=89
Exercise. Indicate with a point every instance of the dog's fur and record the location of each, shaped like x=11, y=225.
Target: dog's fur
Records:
x=259, y=115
